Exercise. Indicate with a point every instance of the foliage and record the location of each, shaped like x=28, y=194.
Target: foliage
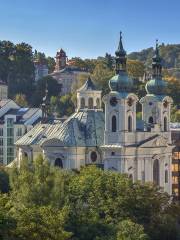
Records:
x=128, y=230
x=20, y=99
x=4, y=180
x=49, y=203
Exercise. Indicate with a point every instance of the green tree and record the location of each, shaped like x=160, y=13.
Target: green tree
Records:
x=128, y=230
x=20, y=99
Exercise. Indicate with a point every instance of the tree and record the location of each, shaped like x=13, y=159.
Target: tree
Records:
x=135, y=68
x=128, y=230
x=53, y=88
x=41, y=222
x=102, y=75
x=20, y=99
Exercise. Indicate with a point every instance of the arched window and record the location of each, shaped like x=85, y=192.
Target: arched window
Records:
x=90, y=103
x=166, y=176
x=82, y=103
x=58, y=163
x=93, y=156
x=151, y=120
x=131, y=177
x=129, y=124
x=97, y=103
x=114, y=124
x=156, y=172
x=165, y=124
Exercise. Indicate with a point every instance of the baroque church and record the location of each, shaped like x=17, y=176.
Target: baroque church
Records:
x=112, y=139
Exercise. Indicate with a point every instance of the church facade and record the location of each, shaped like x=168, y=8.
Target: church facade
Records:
x=112, y=139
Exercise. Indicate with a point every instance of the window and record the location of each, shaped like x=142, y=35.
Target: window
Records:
x=114, y=124
x=19, y=132
x=166, y=176
x=97, y=103
x=176, y=155
x=165, y=124
x=58, y=163
x=1, y=131
x=176, y=191
x=93, y=156
x=10, y=132
x=1, y=141
x=129, y=124
x=156, y=172
x=113, y=153
x=150, y=120
x=1, y=151
x=175, y=167
x=10, y=122
x=131, y=177
x=10, y=141
x=90, y=103
x=174, y=179
x=82, y=103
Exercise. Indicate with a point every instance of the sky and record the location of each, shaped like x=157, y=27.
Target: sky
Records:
x=89, y=28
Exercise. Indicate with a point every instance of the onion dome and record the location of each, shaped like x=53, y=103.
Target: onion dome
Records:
x=121, y=82
x=156, y=85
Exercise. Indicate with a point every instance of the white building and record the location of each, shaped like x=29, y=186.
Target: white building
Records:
x=14, y=123
x=41, y=70
x=113, y=140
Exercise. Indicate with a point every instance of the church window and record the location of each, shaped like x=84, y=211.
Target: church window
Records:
x=156, y=172
x=114, y=124
x=129, y=124
x=166, y=176
x=131, y=177
x=97, y=103
x=82, y=103
x=93, y=156
x=165, y=124
x=90, y=103
x=151, y=120
x=58, y=163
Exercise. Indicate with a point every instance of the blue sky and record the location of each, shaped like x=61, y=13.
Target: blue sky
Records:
x=89, y=28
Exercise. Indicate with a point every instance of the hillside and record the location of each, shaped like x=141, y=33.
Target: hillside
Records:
x=170, y=54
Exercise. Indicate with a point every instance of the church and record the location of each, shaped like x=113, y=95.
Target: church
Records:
x=112, y=138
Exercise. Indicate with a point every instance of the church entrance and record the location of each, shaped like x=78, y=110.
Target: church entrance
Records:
x=58, y=163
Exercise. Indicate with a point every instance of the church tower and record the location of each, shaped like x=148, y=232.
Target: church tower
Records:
x=156, y=106
x=60, y=60
x=120, y=112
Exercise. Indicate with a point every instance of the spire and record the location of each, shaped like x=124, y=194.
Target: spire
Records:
x=156, y=63
x=120, y=57
x=156, y=85
x=120, y=51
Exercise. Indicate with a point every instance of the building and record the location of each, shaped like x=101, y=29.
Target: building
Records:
x=175, y=134
x=41, y=70
x=66, y=75
x=61, y=60
x=14, y=123
x=113, y=139
x=3, y=90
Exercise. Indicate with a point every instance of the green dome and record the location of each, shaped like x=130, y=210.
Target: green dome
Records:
x=121, y=82
x=156, y=86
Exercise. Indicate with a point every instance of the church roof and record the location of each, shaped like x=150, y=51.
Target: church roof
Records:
x=88, y=86
x=84, y=128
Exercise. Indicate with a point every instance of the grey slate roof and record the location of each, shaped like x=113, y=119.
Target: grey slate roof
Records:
x=84, y=128
x=38, y=134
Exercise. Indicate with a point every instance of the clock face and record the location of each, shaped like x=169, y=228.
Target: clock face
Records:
x=113, y=101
